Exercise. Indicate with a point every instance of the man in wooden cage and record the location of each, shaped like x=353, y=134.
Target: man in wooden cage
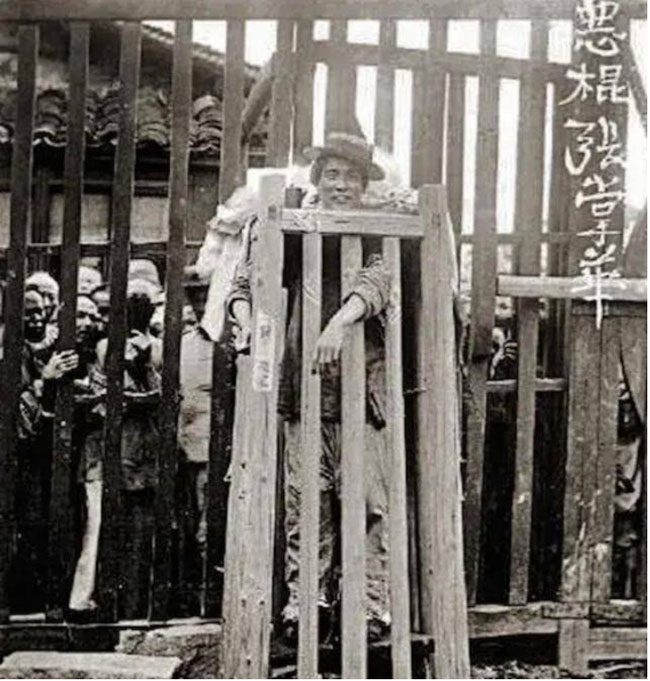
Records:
x=340, y=171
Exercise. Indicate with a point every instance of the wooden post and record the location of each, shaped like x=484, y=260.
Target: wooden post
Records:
x=61, y=540
x=249, y=542
x=443, y=598
x=279, y=144
x=304, y=88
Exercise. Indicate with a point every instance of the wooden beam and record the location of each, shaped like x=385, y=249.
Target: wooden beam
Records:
x=398, y=527
x=340, y=114
x=455, y=170
x=385, y=93
x=528, y=213
x=353, y=499
x=304, y=91
x=110, y=548
x=365, y=223
x=311, y=446
x=249, y=553
x=173, y=321
x=281, y=117
x=136, y=10
x=21, y=183
x=443, y=597
x=484, y=271
x=613, y=643
x=61, y=539
x=572, y=288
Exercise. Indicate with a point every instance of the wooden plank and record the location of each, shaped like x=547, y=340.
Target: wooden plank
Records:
x=385, y=92
x=443, y=599
x=222, y=416
x=341, y=95
x=362, y=222
x=542, y=385
x=428, y=113
x=487, y=621
x=455, y=170
x=484, y=270
x=452, y=62
x=613, y=643
x=233, y=106
x=310, y=438
x=111, y=534
x=21, y=180
x=603, y=528
x=353, y=500
x=528, y=213
x=632, y=290
x=582, y=454
x=573, y=644
x=279, y=130
x=398, y=528
x=249, y=553
x=61, y=540
x=33, y=10
x=304, y=98
x=173, y=323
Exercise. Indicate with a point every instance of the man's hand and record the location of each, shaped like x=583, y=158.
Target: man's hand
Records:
x=60, y=363
x=328, y=347
x=241, y=311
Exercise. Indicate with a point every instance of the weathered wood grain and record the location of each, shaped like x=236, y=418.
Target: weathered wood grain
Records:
x=385, y=93
x=282, y=102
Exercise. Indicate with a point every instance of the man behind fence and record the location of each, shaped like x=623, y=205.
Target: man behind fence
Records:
x=340, y=171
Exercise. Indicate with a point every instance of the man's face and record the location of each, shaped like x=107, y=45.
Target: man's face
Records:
x=340, y=185
x=34, y=317
x=103, y=302
x=86, y=320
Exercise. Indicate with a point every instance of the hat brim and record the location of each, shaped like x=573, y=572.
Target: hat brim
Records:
x=375, y=172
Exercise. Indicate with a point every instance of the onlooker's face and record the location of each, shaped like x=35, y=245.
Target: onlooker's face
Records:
x=340, y=185
x=86, y=320
x=102, y=300
x=48, y=305
x=34, y=319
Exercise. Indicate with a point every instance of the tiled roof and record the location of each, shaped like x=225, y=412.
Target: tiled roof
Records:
x=102, y=110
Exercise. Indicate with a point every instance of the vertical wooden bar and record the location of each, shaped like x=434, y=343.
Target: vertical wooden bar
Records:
x=221, y=407
x=340, y=113
x=528, y=218
x=310, y=436
x=173, y=324
x=304, y=97
x=353, y=505
x=385, y=94
x=111, y=533
x=21, y=179
x=603, y=522
x=249, y=553
x=456, y=152
x=484, y=269
x=443, y=599
x=399, y=535
x=279, y=137
x=428, y=116
x=233, y=105
x=61, y=540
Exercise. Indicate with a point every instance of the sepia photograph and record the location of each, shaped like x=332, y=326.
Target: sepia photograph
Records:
x=323, y=339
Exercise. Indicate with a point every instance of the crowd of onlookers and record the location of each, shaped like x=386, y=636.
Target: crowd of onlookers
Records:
x=44, y=367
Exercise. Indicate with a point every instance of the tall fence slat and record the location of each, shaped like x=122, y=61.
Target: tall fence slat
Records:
x=233, y=105
x=61, y=540
x=399, y=575
x=310, y=439
x=603, y=524
x=456, y=151
x=21, y=178
x=173, y=322
x=528, y=218
x=443, y=601
x=279, y=139
x=353, y=453
x=341, y=86
x=484, y=269
x=112, y=529
x=385, y=93
x=249, y=553
x=304, y=87
x=428, y=115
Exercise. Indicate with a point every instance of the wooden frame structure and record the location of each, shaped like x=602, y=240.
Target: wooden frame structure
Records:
x=579, y=617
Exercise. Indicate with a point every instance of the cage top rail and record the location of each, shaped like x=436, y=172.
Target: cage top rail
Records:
x=136, y=10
